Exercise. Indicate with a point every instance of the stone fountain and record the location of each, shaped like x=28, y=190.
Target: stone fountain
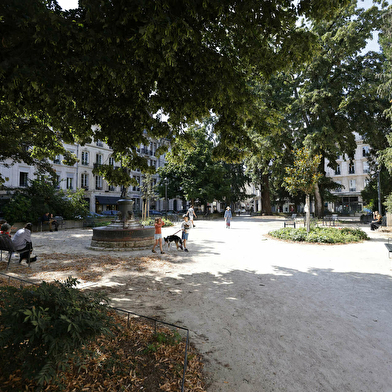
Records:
x=123, y=233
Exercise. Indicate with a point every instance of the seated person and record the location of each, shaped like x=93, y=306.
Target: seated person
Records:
x=22, y=243
x=377, y=221
x=48, y=218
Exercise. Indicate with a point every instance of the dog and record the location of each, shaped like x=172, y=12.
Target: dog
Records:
x=173, y=238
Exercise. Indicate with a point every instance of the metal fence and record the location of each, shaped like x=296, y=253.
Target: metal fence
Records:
x=130, y=314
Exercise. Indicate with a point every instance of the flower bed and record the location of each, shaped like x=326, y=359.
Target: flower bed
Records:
x=328, y=235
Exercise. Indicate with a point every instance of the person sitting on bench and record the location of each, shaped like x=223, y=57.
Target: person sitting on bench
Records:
x=48, y=218
x=377, y=222
x=22, y=243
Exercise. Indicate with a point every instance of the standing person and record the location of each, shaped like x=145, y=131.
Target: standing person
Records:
x=185, y=226
x=190, y=213
x=227, y=217
x=158, y=234
x=22, y=243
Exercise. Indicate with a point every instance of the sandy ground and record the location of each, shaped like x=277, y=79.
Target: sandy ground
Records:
x=267, y=315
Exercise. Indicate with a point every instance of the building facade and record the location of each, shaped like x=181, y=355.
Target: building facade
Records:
x=352, y=176
x=98, y=193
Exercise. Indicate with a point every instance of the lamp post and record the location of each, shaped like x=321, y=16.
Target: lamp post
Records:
x=379, y=190
x=167, y=203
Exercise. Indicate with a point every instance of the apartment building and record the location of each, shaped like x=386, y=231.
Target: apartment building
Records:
x=98, y=193
x=353, y=178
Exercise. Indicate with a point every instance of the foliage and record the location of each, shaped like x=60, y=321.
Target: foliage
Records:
x=151, y=221
x=140, y=69
x=303, y=175
x=385, y=39
x=328, y=235
x=370, y=192
x=40, y=196
x=321, y=103
x=388, y=203
x=192, y=172
x=44, y=326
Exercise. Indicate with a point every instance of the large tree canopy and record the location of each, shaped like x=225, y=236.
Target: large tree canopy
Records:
x=133, y=66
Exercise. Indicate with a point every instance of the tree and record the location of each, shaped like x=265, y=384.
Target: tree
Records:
x=40, y=196
x=192, y=172
x=140, y=69
x=303, y=176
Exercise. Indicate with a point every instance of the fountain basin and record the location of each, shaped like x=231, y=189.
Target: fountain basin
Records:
x=117, y=238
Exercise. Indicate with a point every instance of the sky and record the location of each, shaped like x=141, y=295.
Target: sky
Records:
x=372, y=44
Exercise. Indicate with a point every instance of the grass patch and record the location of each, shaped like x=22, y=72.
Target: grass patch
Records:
x=325, y=235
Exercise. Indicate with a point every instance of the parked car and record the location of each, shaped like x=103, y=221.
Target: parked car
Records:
x=168, y=212
x=111, y=213
x=155, y=213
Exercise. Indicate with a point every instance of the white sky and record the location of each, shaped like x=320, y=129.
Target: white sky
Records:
x=372, y=45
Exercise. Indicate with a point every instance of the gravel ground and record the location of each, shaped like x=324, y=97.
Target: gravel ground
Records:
x=267, y=315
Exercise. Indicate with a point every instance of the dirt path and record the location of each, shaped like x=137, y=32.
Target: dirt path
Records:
x=267, y=315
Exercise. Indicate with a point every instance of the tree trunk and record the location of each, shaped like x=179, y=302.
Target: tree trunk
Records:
x=307, y=208
x=265, y=195
x=318, y=201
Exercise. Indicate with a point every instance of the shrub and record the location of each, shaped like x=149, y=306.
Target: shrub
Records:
x=329, y=235
x=43, y=327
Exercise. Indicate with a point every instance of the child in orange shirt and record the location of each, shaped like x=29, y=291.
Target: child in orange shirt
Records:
x=158, y=235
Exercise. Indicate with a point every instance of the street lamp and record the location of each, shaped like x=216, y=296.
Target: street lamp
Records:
x=167, y=203
x=379, y=190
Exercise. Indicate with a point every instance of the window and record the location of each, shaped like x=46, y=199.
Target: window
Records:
x=70, y=181
x=111, y=161
x=340, y=186
x=84, y=181
x=365, y=182
x=365, y=151
x=353, y=186
x=337, y=171
x=23, y=179
x=351, y=168
x=85, y=158
x=57, y=159
x=98, y=183
x=98, y=159
x=365, y=168
x=111, y=188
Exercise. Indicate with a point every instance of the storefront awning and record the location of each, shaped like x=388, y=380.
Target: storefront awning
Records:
x=107, y=199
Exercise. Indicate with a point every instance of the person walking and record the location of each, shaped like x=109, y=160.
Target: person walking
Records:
x=190, y=213
x=228, y=217
x=158, y=234
x=22, y=243
x=185, y=226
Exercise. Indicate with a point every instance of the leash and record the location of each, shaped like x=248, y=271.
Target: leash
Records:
x=177, y=232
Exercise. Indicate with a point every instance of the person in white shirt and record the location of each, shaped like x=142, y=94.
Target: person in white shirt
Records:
x=190, y=214
x=22, y=242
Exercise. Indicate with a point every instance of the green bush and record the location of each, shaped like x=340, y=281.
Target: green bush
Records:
x=329, y=235
x=151, y=222
x=44, y=327
x=40, y=196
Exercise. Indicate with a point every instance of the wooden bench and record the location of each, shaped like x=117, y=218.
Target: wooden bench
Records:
x=389, y=247
x=6, y=244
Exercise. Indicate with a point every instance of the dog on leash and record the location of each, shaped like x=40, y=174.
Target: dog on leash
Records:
x=173, y=238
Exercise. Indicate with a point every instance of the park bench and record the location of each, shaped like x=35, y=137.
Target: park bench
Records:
x=330, y=220
x=6, y=244
x=389, y=247
x=290, y=221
